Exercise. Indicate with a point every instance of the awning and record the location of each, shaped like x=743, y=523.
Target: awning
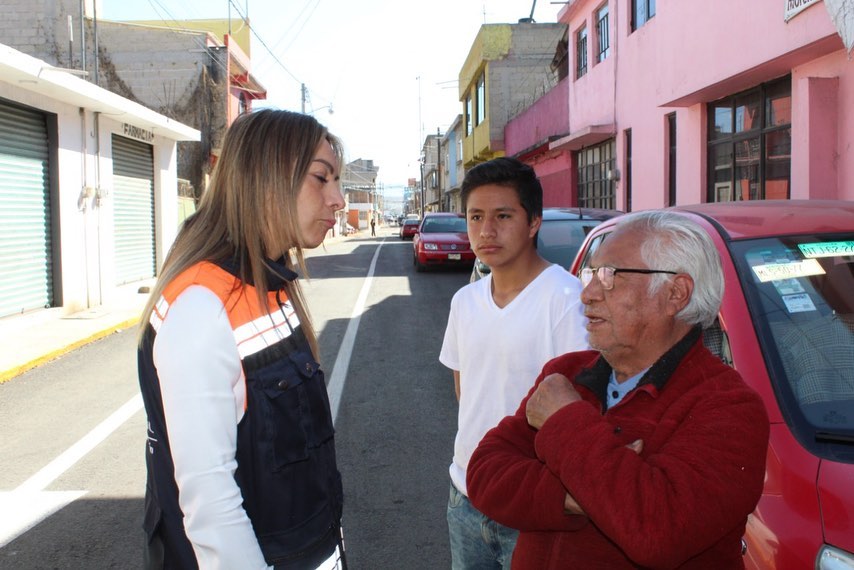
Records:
x=594, y=134
x=247, y=84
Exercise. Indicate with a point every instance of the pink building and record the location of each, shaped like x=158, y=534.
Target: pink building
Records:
x=688, y=101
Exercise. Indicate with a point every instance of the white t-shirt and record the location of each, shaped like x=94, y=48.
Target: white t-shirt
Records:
x=499, y=352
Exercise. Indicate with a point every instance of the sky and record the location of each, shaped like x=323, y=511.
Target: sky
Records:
x=387, y=69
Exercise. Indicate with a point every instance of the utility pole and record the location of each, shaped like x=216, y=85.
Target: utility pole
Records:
x=303, y=96
x=70, y=43
x=421, y=162
x=95, y=31
x=82, y=35
x=439, y=166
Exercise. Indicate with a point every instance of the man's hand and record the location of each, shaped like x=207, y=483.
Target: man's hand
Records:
x=553, y=393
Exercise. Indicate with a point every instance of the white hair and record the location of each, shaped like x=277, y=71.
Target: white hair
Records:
x=674, y=242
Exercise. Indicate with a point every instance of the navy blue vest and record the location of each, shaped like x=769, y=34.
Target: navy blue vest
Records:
x=286, y=471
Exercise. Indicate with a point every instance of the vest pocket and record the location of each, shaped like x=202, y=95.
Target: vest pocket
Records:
x=293, y=410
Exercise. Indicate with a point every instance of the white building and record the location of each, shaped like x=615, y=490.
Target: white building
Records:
x=88, y=188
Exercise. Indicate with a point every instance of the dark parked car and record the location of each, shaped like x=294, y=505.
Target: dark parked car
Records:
x=441, y=240
x=787, y=325
x=408, y=228
x=561, y=234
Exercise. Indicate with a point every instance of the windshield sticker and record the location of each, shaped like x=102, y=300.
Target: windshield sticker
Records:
x=788, y=286
x=777, y=271
x=827, y=249
x=798, y=303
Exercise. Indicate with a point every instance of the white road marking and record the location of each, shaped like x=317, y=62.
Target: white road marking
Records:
x=342, y=361
x=30, y=504
x=22, y=510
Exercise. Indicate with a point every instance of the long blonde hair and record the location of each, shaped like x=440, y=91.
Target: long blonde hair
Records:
x=250, y=206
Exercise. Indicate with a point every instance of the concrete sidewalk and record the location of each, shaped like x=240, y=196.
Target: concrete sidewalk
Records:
x=33, y=339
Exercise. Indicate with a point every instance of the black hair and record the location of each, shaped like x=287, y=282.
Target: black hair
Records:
x=509, y=172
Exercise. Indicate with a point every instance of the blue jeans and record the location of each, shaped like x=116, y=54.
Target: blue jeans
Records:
x=477, y=542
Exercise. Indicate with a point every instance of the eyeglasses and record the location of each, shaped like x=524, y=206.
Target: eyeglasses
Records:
x=605, y=274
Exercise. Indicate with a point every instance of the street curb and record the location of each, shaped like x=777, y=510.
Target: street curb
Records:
x=20, y=369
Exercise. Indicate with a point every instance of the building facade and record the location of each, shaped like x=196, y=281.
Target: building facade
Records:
x=359, y=184
x=508, y=67
x=89, y=199
x=431, y=172
x=412, y=198
x=453, y=170
x=661, y=110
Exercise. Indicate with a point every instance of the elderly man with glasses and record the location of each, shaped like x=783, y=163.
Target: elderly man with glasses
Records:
x=648, y=451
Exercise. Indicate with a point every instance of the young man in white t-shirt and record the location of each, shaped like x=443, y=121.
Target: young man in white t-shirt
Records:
x=501, y=330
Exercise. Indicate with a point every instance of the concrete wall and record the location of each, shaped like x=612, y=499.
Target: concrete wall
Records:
x=547, y=118
x=516, y=62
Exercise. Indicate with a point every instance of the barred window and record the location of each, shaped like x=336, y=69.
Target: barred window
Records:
x=602, y=33
x=581, y=52
x=642, y=12
x=596, y=165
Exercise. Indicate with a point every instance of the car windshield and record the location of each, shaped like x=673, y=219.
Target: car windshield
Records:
x=444, y=224
x=800, y=292
x=559, y=240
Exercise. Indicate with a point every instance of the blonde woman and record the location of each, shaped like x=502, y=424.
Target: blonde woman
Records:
x=240, y=454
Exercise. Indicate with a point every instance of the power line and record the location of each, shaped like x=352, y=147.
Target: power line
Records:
x=178, y=28
x=302, y=26
x=263, y=43
x=174, y=25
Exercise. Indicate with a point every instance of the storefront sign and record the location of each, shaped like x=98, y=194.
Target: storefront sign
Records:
x=137, y=133
x=795, y=7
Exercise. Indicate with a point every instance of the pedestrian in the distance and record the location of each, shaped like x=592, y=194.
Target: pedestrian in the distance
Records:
x=501, y=330
x=240, y=456
x=373, y=227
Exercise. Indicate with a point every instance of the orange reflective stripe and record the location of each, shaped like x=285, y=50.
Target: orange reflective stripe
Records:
x=255, y=328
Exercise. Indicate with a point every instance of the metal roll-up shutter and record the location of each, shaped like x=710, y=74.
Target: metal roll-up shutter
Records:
x=26, y=257
x=133, y=207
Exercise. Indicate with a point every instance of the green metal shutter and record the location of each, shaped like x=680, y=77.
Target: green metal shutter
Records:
x=25, y=212
x=133, y=207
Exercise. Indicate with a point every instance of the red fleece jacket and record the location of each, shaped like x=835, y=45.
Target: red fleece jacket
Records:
x=682, y=503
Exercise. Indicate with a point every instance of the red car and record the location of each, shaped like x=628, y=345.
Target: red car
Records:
x=408, y=228
x=787, y=325
x=442, y=240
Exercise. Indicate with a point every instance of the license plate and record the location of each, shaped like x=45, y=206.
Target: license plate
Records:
x=454, y=256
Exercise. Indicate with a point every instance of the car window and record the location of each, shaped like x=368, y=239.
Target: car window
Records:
x=800, y=292
x=559, y=240
x=591, y=249
x=444, y=225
